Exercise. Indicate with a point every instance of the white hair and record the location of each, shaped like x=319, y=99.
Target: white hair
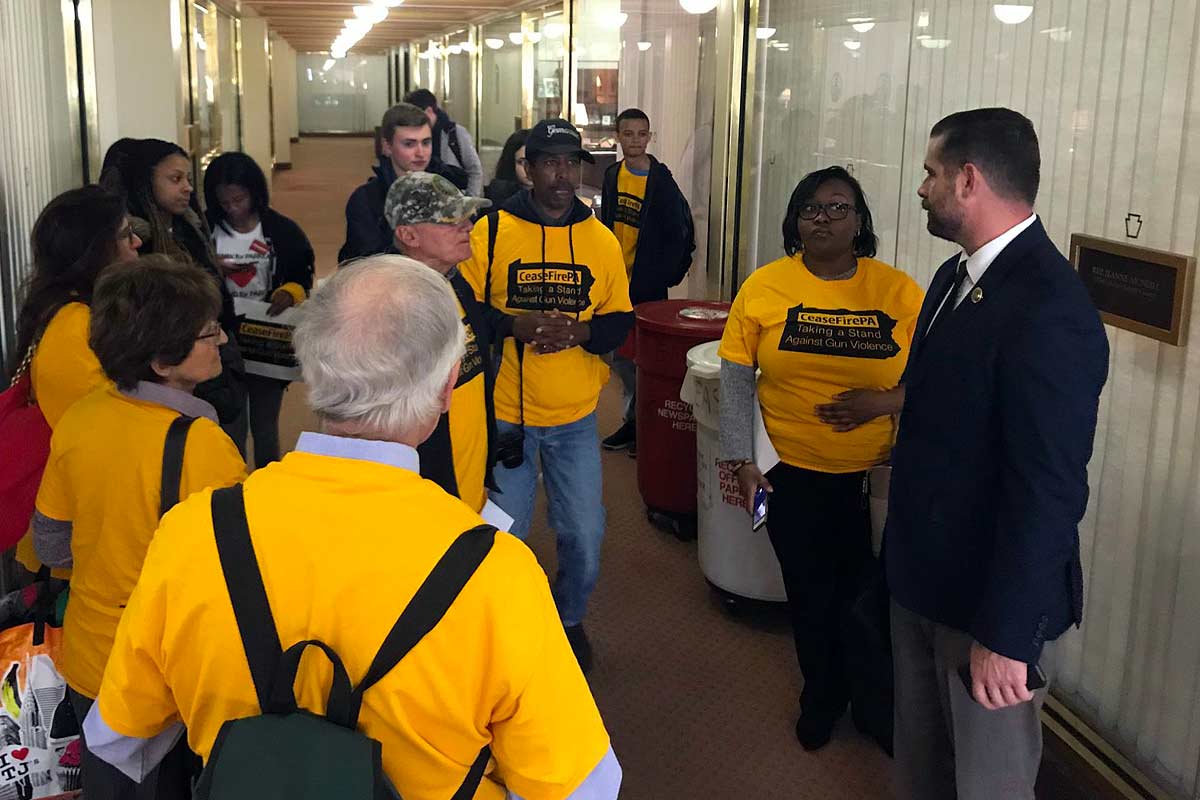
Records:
x=377, y=343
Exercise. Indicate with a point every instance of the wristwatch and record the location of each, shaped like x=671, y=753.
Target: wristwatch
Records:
x=736, y=464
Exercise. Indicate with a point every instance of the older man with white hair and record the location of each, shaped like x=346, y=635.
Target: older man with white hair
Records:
x=344, y=531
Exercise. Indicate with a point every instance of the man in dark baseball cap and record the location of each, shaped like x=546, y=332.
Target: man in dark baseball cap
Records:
x=553, y=281
x=556, y=137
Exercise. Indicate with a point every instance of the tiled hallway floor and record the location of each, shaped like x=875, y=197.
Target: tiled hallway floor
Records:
x=700, y=704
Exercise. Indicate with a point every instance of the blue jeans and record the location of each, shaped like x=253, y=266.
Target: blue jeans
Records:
x=570, y=464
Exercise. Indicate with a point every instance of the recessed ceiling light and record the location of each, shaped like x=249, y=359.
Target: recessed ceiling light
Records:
x=1012, y=13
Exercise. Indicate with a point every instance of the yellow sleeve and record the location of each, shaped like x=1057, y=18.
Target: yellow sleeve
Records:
x=65, y=367
x=134, y=697
x=210, y=460
x=474, y=269
x=295, y=290
x=739, y=342
x=548, y=737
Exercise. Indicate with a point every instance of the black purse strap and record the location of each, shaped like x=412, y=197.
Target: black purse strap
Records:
x=172, y=463
x=243, y=579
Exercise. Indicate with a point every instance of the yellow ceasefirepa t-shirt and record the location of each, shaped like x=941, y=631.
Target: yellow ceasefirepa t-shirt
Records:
x=64, y=369
x=627, y=221
x=496, y=670
x=577, y=270
x=104, y=476
x=814, y=339
x=468, y=423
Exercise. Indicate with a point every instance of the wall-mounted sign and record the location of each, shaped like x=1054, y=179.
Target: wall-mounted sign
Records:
x=1141, y=290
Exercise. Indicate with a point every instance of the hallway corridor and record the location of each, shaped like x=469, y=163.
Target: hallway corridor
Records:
x=699, y=704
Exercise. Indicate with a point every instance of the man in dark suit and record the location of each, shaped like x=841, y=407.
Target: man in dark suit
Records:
x=989, y=474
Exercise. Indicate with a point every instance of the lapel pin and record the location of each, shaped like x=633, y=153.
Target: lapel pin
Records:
x=977, y=295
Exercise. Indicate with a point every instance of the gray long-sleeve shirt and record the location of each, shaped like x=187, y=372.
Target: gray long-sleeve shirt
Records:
x=738, y=396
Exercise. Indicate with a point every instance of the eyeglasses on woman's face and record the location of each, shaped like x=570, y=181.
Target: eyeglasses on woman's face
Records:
x=210, y=331
x=834, y=211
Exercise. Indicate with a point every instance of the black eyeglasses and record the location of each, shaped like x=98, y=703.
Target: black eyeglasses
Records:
x=832, y=210
x=211, y=333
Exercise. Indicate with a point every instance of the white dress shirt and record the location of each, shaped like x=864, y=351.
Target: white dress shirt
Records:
x=979, y=261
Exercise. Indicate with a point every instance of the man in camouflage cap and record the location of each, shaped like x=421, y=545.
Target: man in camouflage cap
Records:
x=431, y=222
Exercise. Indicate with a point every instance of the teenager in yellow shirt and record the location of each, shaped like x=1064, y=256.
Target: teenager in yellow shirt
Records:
x=155, y=332
x=829, y=327
x=643, y=206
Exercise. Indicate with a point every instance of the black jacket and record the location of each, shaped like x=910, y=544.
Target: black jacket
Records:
x=500, y=189
x=292, y=257
x=608, y=331
x=367, y=232
x=666, y=235
x=989, y=472
x=437, y=452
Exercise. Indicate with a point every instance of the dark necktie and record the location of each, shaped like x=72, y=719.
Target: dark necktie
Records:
x=948, y=302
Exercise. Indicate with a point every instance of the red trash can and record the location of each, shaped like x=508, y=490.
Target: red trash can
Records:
x=666, y=429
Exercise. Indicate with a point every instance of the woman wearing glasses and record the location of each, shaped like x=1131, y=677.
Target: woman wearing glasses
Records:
x=155, y=333
x=77, y=235
x=829, y=328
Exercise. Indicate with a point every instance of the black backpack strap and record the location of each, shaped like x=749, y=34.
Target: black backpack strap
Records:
x=422, y=614
x=493, y=223
x=474, y=775
x=430, y=603
x=172, y=463
x=260, y=638
x=452, y=140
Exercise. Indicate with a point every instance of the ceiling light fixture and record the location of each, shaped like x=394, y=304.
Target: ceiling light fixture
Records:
x=554, y=30
x=644, y=46
x=923, y=19
x=864, y=26
x=516, y=37
x=935, y=44
x=1012, y=13
x=852, y=44
x=764, y=33
x=533, y=37
x=698, y=6
x=372, y=14
x=494, y=44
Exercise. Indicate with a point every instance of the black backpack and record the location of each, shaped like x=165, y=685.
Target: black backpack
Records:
x=289, y=752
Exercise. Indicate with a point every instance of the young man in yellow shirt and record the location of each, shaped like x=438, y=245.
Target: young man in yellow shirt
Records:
x=344, y=531
x=432, y=221
x=644, y=207
x=554, y=281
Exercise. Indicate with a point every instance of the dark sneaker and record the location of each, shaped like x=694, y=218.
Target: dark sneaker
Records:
x=624, y=438
x=580, y=646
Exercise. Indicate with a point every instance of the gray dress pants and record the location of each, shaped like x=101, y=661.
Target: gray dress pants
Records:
x=948, y=747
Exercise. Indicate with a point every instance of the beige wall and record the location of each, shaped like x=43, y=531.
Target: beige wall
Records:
x=256, y=97
x=132, y=99
x=283, y=97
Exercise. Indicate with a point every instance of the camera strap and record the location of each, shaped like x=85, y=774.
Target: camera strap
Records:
x=493, y=228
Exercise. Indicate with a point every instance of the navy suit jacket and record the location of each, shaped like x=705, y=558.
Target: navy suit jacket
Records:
x=989, y=477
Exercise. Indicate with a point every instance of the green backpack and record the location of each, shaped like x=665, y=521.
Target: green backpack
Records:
x=289, y=752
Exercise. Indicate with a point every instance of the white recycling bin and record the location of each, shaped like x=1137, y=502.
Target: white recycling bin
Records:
x=733, y=557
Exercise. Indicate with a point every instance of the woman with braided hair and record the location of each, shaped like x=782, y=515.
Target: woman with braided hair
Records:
x=154, y=177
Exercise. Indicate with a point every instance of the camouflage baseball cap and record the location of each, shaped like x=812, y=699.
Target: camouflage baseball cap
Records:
x=418, y=197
